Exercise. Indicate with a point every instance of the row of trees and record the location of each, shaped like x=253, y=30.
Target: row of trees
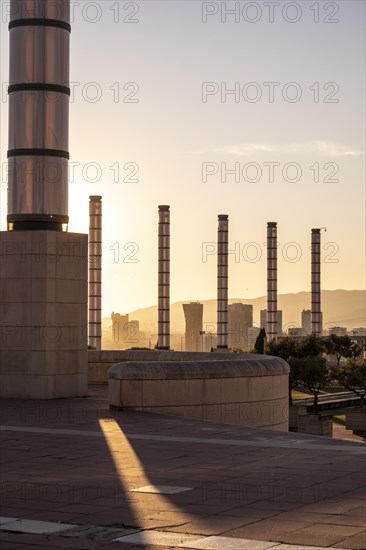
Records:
x=310, y=368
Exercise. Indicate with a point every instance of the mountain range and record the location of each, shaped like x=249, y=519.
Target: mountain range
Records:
x=344, y=308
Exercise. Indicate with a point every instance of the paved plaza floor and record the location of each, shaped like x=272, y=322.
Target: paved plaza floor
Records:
x=76, y=475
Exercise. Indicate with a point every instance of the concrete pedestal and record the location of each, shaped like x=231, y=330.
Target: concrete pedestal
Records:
x=356, y=420
x=294, y=412
x=43, y=314
x=315, y=424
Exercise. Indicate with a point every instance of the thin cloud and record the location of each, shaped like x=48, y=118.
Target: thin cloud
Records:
x=323, y=148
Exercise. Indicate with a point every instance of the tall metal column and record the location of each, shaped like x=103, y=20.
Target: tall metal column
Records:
x=38, y=153
x=222, y=280
x=95, y=272
x=164, y=278
x=271, y=281
x=316, y=315
x=38, y=114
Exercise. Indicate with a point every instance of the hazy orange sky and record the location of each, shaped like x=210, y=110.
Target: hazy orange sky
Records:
x=138, y=104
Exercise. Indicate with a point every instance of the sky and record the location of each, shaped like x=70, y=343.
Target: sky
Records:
x=170, y=96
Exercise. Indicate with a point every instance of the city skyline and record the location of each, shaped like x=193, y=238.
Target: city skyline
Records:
x=175, y=145
x=340, y=307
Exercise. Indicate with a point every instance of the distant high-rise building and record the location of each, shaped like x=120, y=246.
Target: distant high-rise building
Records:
x=295, y=332
x=358, y=335
x=120, y=329
x=252, y=333
x=263, y=321
x=360, y=331
x=306, y=322
x=193, y=313
x=337, y=331
x=209, y=341
x=240, y=318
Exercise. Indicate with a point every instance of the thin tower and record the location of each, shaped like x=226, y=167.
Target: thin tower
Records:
x=316, y=315
x=95, y=272
x=164, y=278
x=222, y=280
x=271, y=281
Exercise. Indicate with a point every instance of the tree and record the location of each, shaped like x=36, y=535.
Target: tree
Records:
x=341, y=346
x=352, y=376
x=310, y=346
x=259, y=343
x=286, y=349
x=356, y=350
x=282, y=347
x=314, y=375
x=294, y=376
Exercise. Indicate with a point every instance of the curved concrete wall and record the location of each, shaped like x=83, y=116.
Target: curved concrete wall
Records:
x=244, y=389
x=100, y=361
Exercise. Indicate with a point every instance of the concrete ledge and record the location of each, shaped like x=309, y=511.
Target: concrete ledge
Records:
x=248, y=390
x=100, y=361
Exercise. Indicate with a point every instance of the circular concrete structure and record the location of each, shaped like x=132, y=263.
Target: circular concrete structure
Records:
x=244, y=389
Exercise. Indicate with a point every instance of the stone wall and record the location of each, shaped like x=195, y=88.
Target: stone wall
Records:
x=244, y=389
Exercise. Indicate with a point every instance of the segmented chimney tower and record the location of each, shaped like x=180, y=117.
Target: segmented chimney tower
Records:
x=95, y=272
x=222, y=280
x=164, y=278
x=271, y=280
x=316, y=315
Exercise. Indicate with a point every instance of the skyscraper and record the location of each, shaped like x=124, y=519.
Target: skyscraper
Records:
x=193, y=313
x=120, y=329
x=306, y=322
x=263, y=320
x=240, y=318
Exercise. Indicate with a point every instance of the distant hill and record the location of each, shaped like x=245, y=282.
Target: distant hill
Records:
x=340, y=307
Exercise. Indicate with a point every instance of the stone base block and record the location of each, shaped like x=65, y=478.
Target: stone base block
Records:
x=315, y=424
x=43, y=314
x=294, y=412
x=356, y=420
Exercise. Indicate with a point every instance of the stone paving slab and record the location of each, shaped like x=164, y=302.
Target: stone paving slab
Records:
x=75, y=461
x=35, y=527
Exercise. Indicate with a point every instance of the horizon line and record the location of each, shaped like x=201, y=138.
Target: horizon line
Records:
x=233, y=299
